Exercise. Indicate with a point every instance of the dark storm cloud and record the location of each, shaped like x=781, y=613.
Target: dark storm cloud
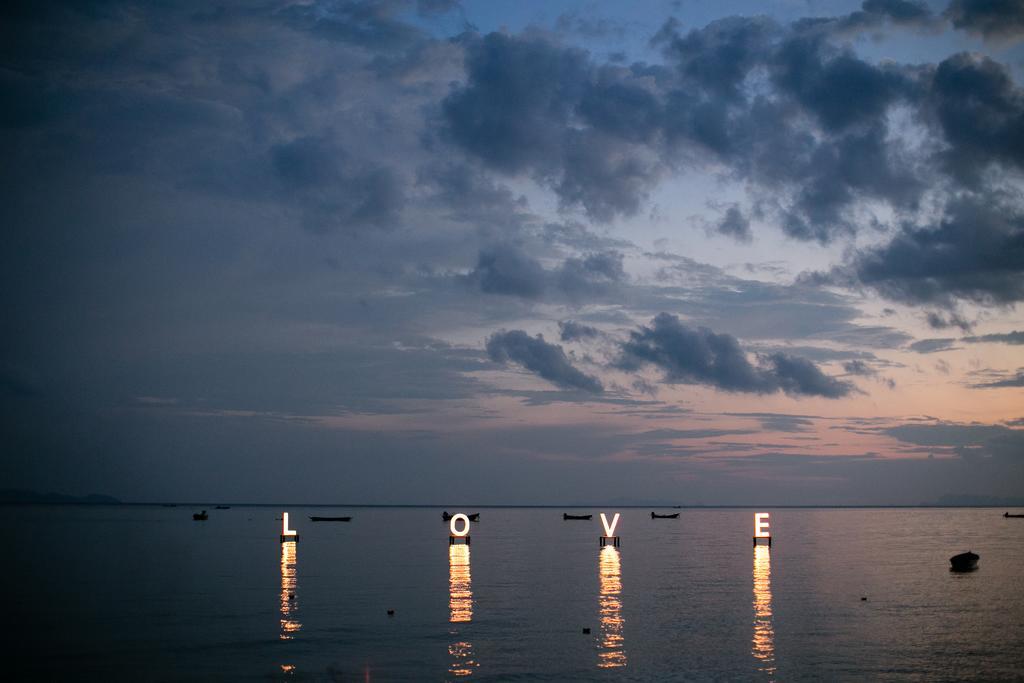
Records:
x=933, y=345
x=1016, y=338
x=815, y=176
x=818, y=144
x=975, y=253
x=719, y=56
x=517, y=100
x=571, y=330
x=515, y=113
x=839, y=88
x=993, y=19
x=699, y=356
x=536, y=355
x=980, y=111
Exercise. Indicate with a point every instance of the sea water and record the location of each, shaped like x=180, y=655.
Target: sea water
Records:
x=146, y=593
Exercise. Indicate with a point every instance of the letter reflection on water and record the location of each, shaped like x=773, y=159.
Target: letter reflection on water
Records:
x=612, y=652
x=289, y=601
x=763, y=645
x=460, y=605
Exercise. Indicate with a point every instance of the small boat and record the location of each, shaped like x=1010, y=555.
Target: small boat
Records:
x=330, y=519
x=446, y=516
x=222, y=507
x=1007, y=514
x=566, y=515
x=674, y=515
x=200, y=516
x=964, y=562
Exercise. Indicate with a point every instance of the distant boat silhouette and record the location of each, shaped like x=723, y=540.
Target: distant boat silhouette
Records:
x=200, y=516
x=446, y=516
x=964, y=562
x=566, y=515
x=222, y=507
x=1007, y=514
x=330, y=519
x=674, y=515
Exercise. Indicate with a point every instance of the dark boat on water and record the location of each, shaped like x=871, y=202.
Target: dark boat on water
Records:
x=330, y=519
x=964, y=562
x=1007, y=514
x=674, y=515
x=222, y=507
x=200, y=516
x=566, y=515
x=475, y=517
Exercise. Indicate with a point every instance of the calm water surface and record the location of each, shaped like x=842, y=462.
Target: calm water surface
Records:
x=145, y=593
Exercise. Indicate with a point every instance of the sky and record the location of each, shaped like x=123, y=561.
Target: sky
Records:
x=442, y=252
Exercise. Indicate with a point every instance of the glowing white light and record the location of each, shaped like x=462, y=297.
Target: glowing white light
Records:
x=456, y=518
x=761, y=525
x=609, y=529
x=285, y=531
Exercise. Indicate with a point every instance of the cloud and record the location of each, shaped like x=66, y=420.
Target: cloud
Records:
x=570, y=330
x=506, y=269
x=1016, y=380
x=980, y=112
x=968, y=441
x=993, y=19
x=372, y=24
x=688, y=355
x=335, y=191
x=938, y=321
x=902, y=11
x=734, y=224
x=1016, y=338
x=974, y=253
x=817, y=140
x=515, y=113
x=933, y=345
x=859, y=367
x=593, y=274
x=536, y=355
x=781, y=422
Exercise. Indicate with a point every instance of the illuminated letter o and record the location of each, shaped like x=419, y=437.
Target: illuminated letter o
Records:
x=456, y=518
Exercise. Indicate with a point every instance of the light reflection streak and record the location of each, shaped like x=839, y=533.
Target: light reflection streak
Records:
x=612, y=652
x=289, y=599
x=460, y=605
x=763, y=643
